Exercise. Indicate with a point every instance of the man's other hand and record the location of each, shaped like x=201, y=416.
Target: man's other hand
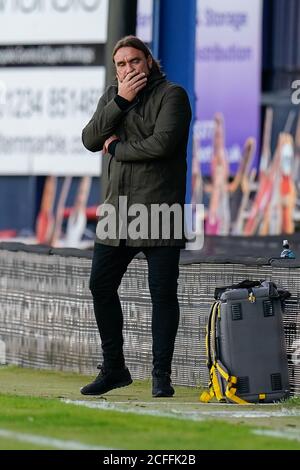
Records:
x=109, y=141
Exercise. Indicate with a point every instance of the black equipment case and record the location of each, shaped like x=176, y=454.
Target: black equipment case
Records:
x=246, y=352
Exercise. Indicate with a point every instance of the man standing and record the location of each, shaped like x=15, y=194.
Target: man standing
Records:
x=141, y=123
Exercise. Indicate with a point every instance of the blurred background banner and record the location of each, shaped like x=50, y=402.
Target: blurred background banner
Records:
x=52, y=69
x=42, y=119
x=53, y=21
x=237, y=59
x=144, y=20
x=227, y=76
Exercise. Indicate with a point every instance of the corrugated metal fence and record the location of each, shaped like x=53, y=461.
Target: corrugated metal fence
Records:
x=47, y=320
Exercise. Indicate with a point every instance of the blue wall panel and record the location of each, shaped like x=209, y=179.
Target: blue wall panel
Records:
x=174, y=29
x=17, y=196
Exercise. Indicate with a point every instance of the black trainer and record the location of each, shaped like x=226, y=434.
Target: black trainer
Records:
x=161, y=385
x=107, y=380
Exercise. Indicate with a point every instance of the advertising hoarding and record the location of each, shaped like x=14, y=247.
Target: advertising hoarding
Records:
x=53, y=21
x=228, y=70
x=42, y=117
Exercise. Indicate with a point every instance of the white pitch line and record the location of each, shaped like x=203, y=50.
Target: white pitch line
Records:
x=199, y=415
x=196, y=415
x=250, y=414
x=290, y=435
x=145, y=412
x=48, y=441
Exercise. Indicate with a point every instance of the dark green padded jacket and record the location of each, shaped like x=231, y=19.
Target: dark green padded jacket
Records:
x=149, y=163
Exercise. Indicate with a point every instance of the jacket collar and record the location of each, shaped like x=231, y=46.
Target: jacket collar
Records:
x=154, y=79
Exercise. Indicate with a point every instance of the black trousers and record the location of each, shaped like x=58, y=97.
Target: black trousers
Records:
x=108, y=267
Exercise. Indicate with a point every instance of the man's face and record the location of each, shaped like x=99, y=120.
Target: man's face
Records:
x=129, y=59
